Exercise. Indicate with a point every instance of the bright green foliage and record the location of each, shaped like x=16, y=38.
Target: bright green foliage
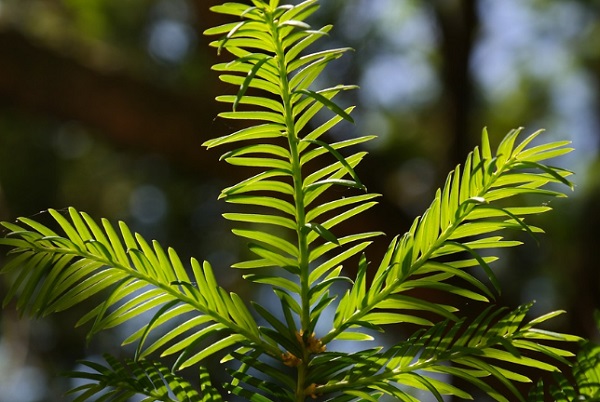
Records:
x=291, y=219
x=63, y=271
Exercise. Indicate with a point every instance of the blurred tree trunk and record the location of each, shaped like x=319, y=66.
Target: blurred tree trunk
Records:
x=583, y=273
x=458, y=22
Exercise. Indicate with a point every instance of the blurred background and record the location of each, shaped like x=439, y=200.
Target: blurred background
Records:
x=104, y=106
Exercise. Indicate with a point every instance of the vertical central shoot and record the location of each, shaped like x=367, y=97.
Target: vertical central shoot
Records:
x=270, y=49
x=298, y=186
x=293, y=141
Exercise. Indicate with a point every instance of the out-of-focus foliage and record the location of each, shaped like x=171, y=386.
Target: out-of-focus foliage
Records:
x=155, y=40
x=100, y=102
x=582, y=385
